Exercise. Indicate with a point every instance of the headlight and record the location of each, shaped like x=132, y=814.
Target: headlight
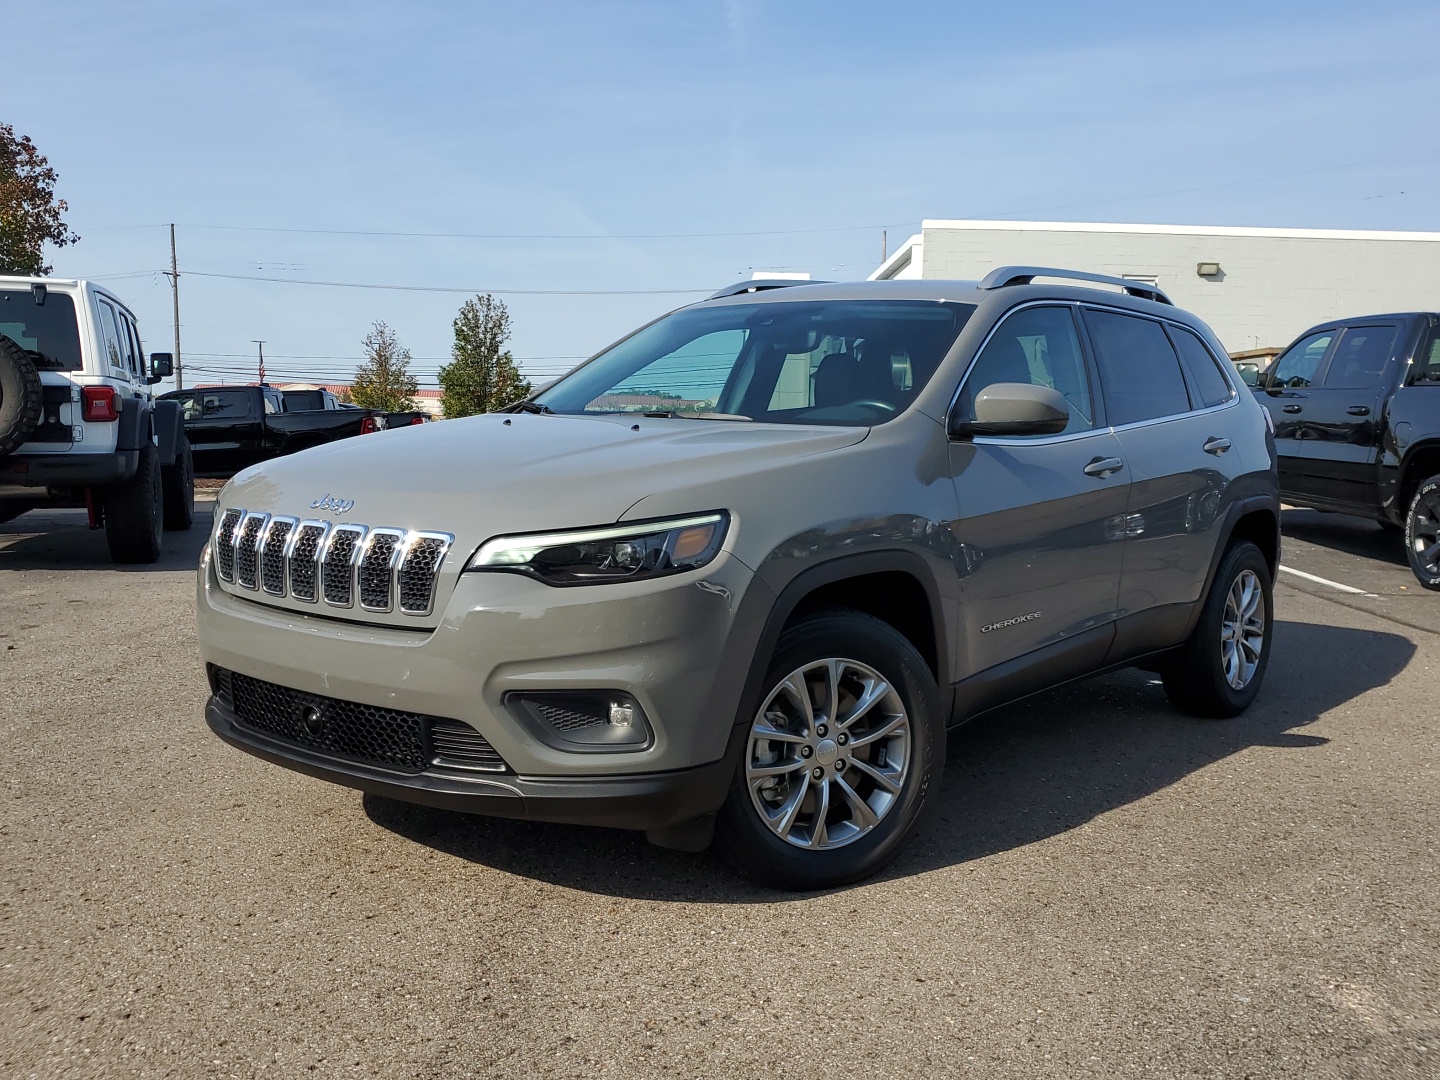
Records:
x=630, y=552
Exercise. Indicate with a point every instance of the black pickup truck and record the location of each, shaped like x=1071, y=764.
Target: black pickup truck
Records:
x=1356, y=407
x=232, y=427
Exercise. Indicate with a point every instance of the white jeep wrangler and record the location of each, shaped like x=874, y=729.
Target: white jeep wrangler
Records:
x=78, y=424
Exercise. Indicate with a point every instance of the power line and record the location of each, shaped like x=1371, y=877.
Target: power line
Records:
x=449, y=289
x=515, y=236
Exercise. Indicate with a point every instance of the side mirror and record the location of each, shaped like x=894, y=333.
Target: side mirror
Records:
x=1014, y=409
x=1249, y=373
x=162, y=365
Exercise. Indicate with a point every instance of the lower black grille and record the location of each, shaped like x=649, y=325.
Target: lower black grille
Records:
x=364, y=733
x=461, y=746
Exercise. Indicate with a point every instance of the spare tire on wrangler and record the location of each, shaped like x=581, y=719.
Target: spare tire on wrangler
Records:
x=20, y=396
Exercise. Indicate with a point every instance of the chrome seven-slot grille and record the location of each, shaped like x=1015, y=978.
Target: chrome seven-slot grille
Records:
x=383, y=569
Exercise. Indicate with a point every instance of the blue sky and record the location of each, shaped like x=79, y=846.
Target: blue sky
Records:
x=647, y=147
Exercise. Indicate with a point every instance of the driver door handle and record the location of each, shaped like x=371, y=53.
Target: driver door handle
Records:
x=1291, y=408
x=1359, y=410
x=1216, y=446
x=1104, y=466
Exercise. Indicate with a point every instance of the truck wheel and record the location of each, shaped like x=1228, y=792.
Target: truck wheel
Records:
x=134, y=513
x=1422, y=533
x=177, y=484
x=841, y=758
x=1219, y=670
x=21, y=403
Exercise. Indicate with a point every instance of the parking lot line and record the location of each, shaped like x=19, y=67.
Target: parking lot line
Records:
x=1325, y=581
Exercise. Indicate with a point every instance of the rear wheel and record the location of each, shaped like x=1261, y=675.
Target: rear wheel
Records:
x=1218, y=672
x=841, y=758
x=1422, y=533
x=177, y=485
x=134, y=515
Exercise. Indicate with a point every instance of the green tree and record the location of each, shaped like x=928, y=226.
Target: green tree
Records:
x=29, y=211
x=482, y=375
x=384, y=380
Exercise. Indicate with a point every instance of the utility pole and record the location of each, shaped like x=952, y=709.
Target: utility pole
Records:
x=174, y=276
x=261, y=346
x=884, y=246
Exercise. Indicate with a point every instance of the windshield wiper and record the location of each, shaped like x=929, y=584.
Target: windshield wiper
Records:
x=531, y=407
x=672, y=414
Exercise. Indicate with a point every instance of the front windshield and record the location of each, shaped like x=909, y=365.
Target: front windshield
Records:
x=854, y=362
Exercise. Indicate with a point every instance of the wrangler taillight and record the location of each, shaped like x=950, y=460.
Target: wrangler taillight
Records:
x=369, y=424
x=417, y=420
x=99, y=403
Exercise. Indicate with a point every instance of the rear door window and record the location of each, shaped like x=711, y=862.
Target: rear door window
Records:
x=224, y=404
x=1139, y=370
x=1359, y=361
x=1205, y=373
x=110, y=336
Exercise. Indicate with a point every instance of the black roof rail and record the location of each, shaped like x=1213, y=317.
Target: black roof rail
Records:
x=761, y=285
x=1002, y=276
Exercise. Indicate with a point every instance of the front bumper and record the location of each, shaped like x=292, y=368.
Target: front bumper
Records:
x=645, y=801
x=681, y=646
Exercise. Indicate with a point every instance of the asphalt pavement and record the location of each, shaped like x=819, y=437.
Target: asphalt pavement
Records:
x=1109, y=889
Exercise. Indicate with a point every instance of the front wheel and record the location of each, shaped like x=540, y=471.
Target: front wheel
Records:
x=1422, y=533
x=841, y=758
x=1218, y=672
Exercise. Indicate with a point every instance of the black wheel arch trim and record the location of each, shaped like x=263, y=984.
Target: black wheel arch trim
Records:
x=169, y=426
x=782, y=604
x=1240, y=508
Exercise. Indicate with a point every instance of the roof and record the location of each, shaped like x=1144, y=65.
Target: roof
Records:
x=1178, y=230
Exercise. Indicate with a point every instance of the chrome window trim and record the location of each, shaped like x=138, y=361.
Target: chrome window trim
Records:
x=344, y=527
x=263, y=545
x=447, y=541
x=1075, y=305
x=245, y=520
x=392, y=566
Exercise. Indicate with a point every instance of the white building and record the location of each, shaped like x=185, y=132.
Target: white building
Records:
x=1257, y=288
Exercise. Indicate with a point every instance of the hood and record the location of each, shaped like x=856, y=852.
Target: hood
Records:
x=486, y=475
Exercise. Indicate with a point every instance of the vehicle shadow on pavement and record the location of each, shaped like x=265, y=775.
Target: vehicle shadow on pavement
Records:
x=1019, y=775
x=1342, y=532
x=61, y=540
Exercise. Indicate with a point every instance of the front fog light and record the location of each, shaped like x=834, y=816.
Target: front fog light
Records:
x=583, y=721
x=630, y=552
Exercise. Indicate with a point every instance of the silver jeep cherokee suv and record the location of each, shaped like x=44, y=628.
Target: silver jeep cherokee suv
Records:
x=736, y=575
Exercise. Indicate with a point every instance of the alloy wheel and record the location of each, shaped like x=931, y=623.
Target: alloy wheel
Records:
x=1242, y=630
x=828, y=754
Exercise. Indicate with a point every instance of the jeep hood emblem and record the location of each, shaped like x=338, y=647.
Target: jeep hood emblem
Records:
x=329, y=502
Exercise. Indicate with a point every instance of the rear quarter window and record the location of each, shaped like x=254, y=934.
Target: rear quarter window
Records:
x=1205, y=372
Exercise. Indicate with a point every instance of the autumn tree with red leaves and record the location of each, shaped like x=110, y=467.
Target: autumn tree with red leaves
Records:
x=29, y=211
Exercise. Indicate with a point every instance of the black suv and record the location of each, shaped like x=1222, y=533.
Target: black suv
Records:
x=1356, y=408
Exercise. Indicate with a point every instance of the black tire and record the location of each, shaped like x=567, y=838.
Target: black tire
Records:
x=177, y=486
x=1422, y=533
x=758, y=849
x=134, y=512
x=1196, y=679
x=21, y=402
